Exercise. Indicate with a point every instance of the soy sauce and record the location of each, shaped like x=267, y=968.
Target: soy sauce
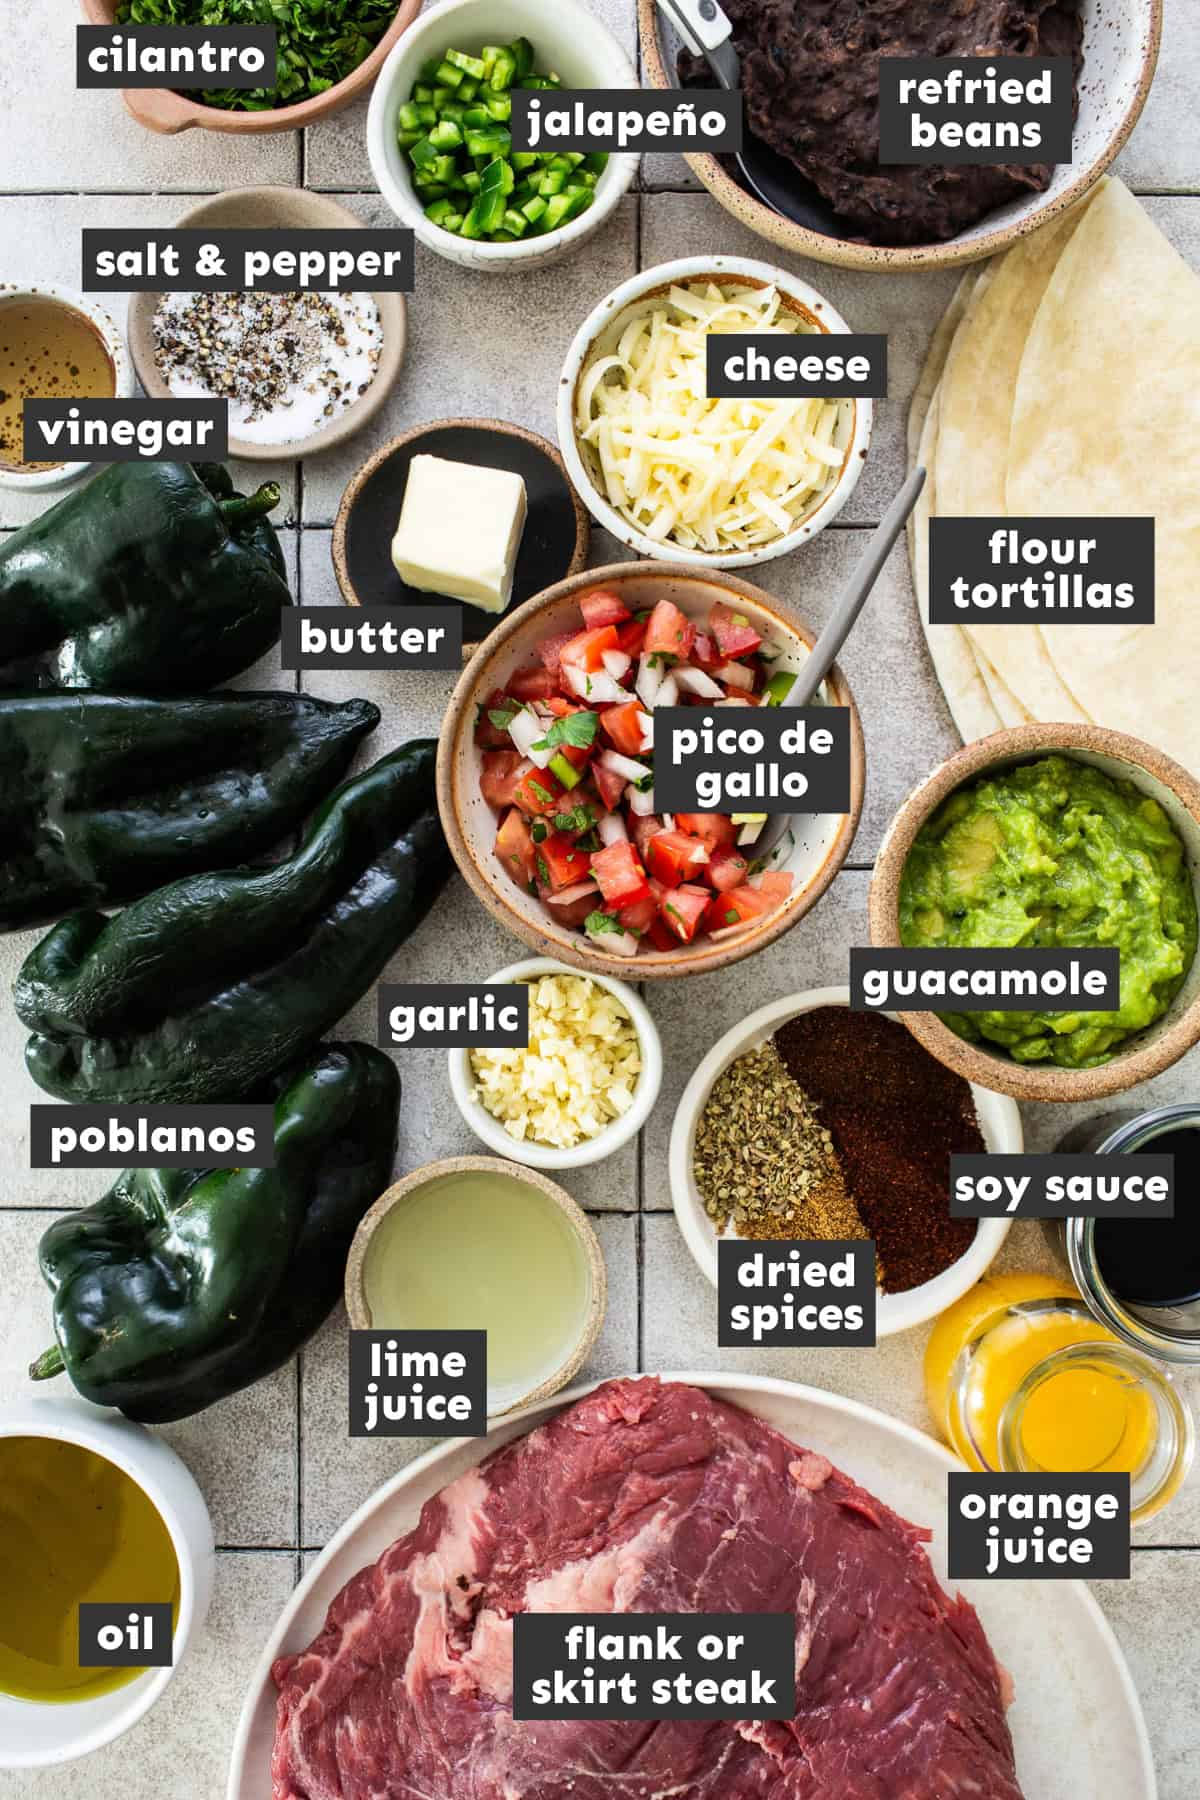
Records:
x=1156, y=1262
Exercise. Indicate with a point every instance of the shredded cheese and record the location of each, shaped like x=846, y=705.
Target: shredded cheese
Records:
x=710, y=475
x=578, y=1073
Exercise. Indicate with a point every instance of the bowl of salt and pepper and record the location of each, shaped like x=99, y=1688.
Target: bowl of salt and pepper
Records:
x=811, y=1121
x=302, y=371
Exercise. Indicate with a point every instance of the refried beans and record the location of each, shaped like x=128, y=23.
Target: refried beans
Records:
x=810, y=76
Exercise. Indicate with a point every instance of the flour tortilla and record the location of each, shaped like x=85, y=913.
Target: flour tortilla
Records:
x=954, y=662
x=1107, y=423
x=978, y=394
x=949, y=647
x=935, y=363
x=1002, y=697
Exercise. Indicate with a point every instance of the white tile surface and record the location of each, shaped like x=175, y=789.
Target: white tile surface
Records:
x=276, y=1462
x=60, y=139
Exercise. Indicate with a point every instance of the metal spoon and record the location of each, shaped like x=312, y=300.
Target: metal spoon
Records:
x=707, y=31
x=825, y=651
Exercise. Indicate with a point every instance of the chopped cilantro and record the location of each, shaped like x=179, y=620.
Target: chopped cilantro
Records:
x=580, y=818
x=597, y=923
x=503, y=716
x=577, y=729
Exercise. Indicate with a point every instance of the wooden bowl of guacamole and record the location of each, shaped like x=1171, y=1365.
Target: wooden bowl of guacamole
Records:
x=1056, y=836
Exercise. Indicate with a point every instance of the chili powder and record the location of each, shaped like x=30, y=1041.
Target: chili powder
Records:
x=896, y=1116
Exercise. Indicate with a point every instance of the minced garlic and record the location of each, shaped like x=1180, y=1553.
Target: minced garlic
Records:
x=578, y=1073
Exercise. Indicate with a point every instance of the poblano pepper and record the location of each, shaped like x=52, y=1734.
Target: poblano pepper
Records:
x=205, y=988
x=107, y=796
x=181, y=1286
x=155, y=578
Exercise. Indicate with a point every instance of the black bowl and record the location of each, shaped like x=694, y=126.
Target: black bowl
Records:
x=555, y=541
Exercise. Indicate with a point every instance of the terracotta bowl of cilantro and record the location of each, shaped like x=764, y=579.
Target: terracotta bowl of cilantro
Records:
x=334, y=56
x=546, y=777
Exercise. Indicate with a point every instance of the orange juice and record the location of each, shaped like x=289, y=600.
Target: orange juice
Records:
x=1020, y=1375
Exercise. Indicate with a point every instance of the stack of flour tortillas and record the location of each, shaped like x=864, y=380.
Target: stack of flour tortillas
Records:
x=1064, y=381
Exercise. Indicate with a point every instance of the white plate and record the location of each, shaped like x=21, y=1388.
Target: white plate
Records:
x=1076, y=1721
x=999, y=1125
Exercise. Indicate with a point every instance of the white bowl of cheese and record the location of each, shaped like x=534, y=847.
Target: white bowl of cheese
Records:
x=679, y=477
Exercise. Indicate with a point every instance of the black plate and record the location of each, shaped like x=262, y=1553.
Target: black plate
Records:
x=556, y=533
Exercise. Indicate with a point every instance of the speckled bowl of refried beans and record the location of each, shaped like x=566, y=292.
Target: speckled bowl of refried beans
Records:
x=810, y=71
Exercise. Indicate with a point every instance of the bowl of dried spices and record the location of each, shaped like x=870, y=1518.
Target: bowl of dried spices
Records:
x=301, y=371
x=810, y=1121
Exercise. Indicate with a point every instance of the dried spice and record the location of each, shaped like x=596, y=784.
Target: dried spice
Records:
x=763, y=1161
x=896, y=1117
x=284, y=362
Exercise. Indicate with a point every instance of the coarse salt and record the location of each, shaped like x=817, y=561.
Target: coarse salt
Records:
x=286, y=363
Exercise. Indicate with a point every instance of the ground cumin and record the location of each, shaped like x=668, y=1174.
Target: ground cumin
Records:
x=896, y=1116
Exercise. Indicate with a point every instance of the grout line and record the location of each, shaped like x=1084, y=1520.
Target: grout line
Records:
x=256, y=1549
x=208, y=193
x=641, y=1292
x=299, y=1390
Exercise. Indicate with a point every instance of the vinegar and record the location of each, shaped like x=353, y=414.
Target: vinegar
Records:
x=48, y=351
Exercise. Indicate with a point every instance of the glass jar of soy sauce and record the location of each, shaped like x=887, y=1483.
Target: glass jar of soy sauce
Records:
x=1141, y=1277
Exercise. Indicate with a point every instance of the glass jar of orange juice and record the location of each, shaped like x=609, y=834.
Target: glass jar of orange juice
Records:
x=1021, y=1378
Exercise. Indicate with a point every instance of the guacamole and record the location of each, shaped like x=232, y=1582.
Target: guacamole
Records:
x=1056, y=854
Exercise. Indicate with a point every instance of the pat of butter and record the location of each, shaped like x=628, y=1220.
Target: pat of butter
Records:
x=459, y=532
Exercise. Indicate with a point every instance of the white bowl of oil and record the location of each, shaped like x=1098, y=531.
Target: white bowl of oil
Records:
x=92, y=1508
x=476, y=1244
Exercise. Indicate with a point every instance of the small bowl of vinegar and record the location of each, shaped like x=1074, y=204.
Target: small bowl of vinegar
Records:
x=55, y=344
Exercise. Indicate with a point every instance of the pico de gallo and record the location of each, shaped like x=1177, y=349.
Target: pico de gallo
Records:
x=567, y=750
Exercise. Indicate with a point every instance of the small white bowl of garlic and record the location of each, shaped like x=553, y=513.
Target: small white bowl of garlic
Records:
x=585, y=1084
x=676, y=476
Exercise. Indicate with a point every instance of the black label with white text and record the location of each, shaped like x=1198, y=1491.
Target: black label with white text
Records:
x=1062, y=1187
x=625, y=119
x=449, y=1015
x=976, y=110
x=371, y=637
x=156, y=1137
x=764, y=759
x=418, y=1384
x=121, y=1634
x=125, y=430
x=1038, y=1527
x=985, y=980
x=1056, y=571
x=175, y=56
x=769, y=365
x=654, y=1666
x=795, y=1294
x=252, y=262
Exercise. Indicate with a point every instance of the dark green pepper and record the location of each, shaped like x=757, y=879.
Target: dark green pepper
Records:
x=207, y=987
x=184, y=1285
x=155, y=578
x=107, y=796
